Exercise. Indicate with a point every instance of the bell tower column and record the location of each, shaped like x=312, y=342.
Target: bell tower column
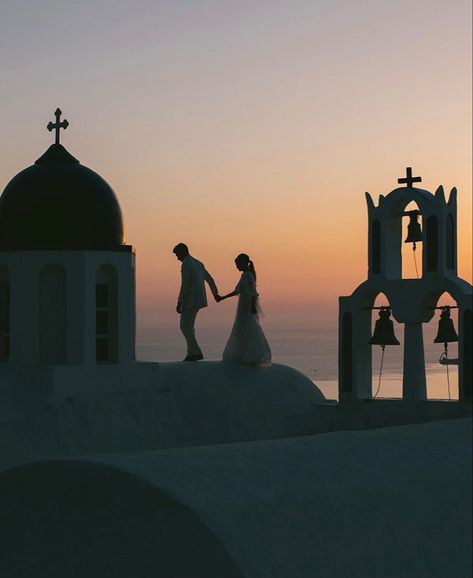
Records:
x=414, y=386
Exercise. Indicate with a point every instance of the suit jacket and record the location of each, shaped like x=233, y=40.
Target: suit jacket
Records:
x=193, y=276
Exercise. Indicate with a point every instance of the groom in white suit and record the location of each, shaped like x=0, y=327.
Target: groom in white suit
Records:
x=192, y=297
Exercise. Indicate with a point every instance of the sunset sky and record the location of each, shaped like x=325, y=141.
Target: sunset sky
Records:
x=246, y=126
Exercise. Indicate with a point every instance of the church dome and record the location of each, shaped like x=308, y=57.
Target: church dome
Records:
x=57, y=203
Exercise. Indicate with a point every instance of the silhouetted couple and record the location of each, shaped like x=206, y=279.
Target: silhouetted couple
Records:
x=247, y=343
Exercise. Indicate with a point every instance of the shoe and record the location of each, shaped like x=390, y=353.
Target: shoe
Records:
x=194, y=357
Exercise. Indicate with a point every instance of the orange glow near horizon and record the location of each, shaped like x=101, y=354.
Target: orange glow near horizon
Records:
x=304, y=260
x=248, y=127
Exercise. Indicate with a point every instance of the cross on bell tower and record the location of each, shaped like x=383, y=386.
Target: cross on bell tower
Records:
x=409, y=179
x=58, y=124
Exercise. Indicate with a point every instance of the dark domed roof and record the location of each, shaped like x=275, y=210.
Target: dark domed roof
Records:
x=59, y=204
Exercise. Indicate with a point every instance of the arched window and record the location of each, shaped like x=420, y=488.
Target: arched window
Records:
x=53, y=315
x=376, y=246
x=450, y=247
x=106, y=315
x=4, y=314
x=431, y=238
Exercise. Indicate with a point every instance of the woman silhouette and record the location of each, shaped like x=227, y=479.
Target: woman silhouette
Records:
x=247, y=344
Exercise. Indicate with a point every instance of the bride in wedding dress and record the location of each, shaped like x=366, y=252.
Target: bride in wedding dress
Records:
x=247, y=343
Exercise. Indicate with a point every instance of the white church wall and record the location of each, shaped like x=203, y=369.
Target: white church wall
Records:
x=4, y=313
x=50, y=310
x=76, y=309
x=62, y=410
x=53, y=320
x=104, y=377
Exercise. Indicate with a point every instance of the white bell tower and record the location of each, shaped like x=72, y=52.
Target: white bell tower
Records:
x=412, y=301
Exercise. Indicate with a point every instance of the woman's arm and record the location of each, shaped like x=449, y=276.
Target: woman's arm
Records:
x=232, y=294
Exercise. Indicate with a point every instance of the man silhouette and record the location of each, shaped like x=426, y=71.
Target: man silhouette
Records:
x=192, y=297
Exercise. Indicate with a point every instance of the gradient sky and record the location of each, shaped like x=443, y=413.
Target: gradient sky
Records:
x=246, y=126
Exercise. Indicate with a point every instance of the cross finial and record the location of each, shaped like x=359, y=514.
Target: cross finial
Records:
x=409, y=179
x=58, y=124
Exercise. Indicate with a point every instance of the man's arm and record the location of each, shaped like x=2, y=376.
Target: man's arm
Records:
x=211, y=283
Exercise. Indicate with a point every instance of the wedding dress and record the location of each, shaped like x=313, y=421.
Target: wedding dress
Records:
x=247, y=343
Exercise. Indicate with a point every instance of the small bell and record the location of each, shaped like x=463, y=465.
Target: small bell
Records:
x=446, y=332
x=414, y=232
x=384, y=330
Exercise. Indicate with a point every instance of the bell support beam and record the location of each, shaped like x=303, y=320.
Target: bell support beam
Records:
x=414, y=385
x=465, y=354
x=354, y=351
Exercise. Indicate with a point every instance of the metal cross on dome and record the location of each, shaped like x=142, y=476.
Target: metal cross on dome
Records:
x=409, y=179
x=58, y=124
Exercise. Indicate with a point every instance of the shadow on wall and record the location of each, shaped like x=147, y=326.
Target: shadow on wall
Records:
x=85, y=520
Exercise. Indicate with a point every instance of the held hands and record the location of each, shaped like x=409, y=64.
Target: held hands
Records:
x=219, y=298
x=179, y=307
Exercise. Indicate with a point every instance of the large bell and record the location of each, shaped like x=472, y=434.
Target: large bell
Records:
x=446, y=332
x=414, y=232
x=384, y=330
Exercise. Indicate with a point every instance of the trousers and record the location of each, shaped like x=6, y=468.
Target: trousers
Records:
x=187, y=327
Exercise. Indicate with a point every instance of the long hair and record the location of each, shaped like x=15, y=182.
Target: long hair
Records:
x=247, y=263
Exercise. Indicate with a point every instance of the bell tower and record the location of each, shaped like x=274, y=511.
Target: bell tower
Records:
x=439, y=236
x=412, y=301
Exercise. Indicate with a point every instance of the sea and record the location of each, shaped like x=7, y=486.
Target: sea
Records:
x=312, y=349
